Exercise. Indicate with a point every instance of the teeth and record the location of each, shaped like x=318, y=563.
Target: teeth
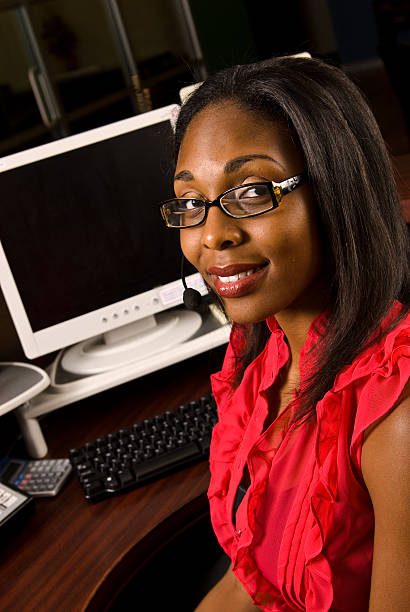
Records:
x=235, y=277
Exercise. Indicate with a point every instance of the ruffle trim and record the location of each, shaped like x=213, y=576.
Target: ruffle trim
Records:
x=385, y=364
x=388, y=371
x=236, y=406
x=315, y=591
x=385, y=368
x=318, y=572
x=379, y=357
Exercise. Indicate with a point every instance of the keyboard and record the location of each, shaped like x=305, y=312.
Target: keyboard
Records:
x=147, y=451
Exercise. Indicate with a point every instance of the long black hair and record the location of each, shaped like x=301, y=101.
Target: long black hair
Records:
x=362, y=229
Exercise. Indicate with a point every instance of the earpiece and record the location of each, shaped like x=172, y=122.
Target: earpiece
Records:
x=191, y=297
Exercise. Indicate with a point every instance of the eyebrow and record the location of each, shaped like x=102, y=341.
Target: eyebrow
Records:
x=231, y=166
x=235, y=164
x=184, y=175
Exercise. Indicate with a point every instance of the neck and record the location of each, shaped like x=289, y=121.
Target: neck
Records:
x=295, y=326
x=296, y=320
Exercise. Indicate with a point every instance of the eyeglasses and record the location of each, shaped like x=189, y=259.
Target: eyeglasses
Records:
x=241, y=202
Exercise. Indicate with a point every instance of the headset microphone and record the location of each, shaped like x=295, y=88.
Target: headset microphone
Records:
x=191, y=297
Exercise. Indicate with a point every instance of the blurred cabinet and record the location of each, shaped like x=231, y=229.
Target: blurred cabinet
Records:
x=21, y=123
x=69, y=65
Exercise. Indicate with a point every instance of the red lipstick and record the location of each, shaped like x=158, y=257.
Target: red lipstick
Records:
x=236, y=280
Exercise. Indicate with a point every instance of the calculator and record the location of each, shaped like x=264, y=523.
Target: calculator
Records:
x=40, y=478
x=13, y=505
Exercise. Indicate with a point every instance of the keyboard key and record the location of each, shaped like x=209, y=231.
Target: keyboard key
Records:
x=111, y=483
x=94, y=489
x=126, y=477
x=205, y=442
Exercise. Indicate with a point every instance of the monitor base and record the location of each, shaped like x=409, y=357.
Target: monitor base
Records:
x=149, y=336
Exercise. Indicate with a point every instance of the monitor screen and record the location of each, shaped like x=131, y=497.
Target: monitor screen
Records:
x=84, y=249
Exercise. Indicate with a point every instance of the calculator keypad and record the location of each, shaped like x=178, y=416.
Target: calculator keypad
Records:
x=44, y=477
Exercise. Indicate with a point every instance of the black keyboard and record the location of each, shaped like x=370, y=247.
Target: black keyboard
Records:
x=146, y=451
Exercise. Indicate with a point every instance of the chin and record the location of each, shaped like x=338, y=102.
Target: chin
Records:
x=245, y=316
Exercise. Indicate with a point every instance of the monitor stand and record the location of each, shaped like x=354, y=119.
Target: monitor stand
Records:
x=130, y=343
x=67, y=388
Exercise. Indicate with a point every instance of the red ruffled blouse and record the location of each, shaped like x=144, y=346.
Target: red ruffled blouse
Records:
x=302, y=538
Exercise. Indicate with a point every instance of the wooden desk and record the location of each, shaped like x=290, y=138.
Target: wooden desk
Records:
x=72, y=555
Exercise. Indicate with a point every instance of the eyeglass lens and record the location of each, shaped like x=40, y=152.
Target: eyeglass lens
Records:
x=248, y=200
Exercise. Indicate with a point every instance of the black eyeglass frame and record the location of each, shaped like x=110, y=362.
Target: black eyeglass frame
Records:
x=277, y=191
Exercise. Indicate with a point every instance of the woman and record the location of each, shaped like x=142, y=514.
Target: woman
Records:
x=307, y=252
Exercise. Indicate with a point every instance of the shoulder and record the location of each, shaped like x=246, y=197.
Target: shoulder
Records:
x=387, y=442
x=386, y=472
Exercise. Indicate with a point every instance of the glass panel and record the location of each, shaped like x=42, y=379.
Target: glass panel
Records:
x=83, y=62
x=21, y=124
x=160, y=45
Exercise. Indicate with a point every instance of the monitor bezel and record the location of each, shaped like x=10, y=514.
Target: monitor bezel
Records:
x=113, y=316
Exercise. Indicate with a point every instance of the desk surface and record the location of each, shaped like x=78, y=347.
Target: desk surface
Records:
x=71, y=555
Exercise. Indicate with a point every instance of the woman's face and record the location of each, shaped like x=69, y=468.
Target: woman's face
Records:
x=226, y=146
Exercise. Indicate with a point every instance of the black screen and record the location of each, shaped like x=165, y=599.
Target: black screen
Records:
x=82, y=230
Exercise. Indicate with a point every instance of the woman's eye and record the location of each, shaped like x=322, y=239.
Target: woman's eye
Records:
x=192, y=204
x=255, y=191
x=191, y=208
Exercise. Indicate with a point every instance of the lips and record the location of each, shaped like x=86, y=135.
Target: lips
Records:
x=236, y=280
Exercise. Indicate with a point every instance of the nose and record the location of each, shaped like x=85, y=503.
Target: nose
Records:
x=220, y=232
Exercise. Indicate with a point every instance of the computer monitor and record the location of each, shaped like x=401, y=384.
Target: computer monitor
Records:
x=84, y=256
